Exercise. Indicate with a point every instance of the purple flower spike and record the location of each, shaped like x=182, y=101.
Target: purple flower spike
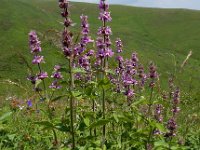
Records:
x=120, y=59
x=119, y=45
x=158, y=113
x=103, y=6
x=34, y=42
x=38, y=59
x=84, y=21
x=171, y=124
x=42, y=75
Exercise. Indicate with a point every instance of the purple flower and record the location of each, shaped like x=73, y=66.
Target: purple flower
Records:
x=103, y=6
x=175, y=110
x=153, y=75
x=105, y=16
x=100, y=53
x=84, y=62
x=32, y=78
x=108, y=41
x=67, y=38
x=104, y=31
x=176, y=97
x=78, y=49
x=57, y=67
x=38, y=59
x=157, y=132
x=97, y=62
x=100, y=43
x=90, y=53
x=119, y=45
x=29, y=103
x=171, y=125
x=152, y=72
x=158, y=113
x=57, y=75
x=67, y=22
x=55, y=85
x=34, y=42
x=84, y=21
x=108, y=52
x=86, y=39
x=42, y=75
x=142, y=75
x=63, y=3
x=134, y=59
x=129, y=93
x=120, y=59
x=67, y=51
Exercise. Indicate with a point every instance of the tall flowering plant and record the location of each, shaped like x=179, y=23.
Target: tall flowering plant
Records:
x=89, y=76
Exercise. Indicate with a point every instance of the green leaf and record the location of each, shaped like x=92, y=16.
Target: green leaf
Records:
x=76, y=94
x=104, y=83
x=5, y=116
x=98, y=123
x=116, y=117
x=160, y=127
x=78, y=70
x=110, y=71
x=46, y=124
x=38, y=83
x=161, y=144
x=64, y=70
x=62, y=128
x=58, y=97
x=11, y=137
x=87, y=122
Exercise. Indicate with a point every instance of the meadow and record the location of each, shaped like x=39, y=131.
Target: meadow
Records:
x=102, y=118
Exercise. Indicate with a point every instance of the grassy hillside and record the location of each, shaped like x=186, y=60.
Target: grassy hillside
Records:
x=162, y=35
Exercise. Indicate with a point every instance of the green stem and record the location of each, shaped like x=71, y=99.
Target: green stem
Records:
x=72, y=102
x=93, y=108
x=149, y=117
x=104, y=126
x=44, y=86
x=150, y=104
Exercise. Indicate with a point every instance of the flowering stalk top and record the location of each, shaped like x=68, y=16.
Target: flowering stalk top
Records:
x=34, y=42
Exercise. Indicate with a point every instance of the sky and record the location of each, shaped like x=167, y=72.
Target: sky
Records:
x=189, y=4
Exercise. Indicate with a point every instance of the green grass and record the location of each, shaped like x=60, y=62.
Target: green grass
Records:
x=161, y=35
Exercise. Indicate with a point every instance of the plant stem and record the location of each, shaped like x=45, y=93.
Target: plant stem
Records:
x=104, y=126
x=150, y=104
x=72, y=101
x=44, y=86
x=93, y=108
x=149, y=117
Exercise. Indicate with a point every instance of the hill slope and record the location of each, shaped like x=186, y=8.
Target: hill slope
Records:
x=156, y=34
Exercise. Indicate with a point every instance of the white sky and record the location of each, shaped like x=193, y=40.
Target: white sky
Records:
x=190, y=4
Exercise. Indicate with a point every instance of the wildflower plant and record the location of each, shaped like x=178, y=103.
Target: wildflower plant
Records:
x=107, y=107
